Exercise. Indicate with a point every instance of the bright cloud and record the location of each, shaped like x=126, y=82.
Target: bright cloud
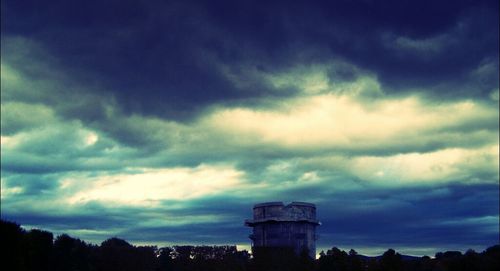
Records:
x=9, y=191
x=448, y=165
x=153, y=185
x=340, y=121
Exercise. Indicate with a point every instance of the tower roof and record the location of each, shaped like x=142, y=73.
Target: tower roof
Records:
x=276, y=211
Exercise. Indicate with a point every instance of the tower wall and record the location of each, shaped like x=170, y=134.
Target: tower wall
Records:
x=277, y=225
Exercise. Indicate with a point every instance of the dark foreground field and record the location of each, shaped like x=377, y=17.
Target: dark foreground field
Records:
x=38, y=250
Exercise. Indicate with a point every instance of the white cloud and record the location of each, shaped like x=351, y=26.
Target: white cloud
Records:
x=91, y=139
x=9, y=191
x=4, y=140
x=448, y=165
x=330, y=120
x=153, y=185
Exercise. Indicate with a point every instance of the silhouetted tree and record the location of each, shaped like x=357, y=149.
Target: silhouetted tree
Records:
x=334, y=260
x=490, y=258
x=449, y=260
x=183, y=253
x=425, y=264
x=164, y=256
x=391, y=261
x=354, y=261
x=72, y=254
x=38, y=249
x=235, y=261
x=273, y=258
x=145, y=258
x=12, y=245
x=117, y=254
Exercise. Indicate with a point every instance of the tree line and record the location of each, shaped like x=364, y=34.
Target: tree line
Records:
x=38, y=250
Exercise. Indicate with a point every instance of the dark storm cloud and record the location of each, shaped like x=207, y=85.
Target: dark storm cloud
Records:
x=166, y=58
x=156, y=62
x=71, y=222
x=217, y=233
x=99, y=97
x=91, y=221
x=123, y=221
x=397, y=216
x=61, y=148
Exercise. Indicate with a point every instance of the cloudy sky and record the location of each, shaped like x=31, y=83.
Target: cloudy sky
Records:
x=163, y=122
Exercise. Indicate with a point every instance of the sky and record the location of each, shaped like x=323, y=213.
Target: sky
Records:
x=164, y=122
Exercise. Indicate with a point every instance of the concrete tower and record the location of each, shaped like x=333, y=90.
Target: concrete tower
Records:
x=284, y=226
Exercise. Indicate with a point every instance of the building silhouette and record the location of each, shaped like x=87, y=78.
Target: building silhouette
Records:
x=276, y=225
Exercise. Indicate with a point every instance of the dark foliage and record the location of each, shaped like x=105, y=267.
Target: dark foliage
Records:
x=72, y=254
x=37, y=250
x=337, y=260
x=280, y=259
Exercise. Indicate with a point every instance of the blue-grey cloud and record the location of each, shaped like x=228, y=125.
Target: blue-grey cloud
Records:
x=171, y=53
x=462, y=216
x=164, y=122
